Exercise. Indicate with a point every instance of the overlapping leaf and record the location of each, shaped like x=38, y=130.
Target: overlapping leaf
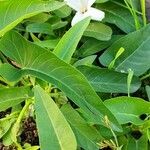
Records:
x=13, y=12
x=136, y=55
x=12, y=96
x=43, y=64
x=87, y=136
x=118, y=15
x=104, y=80
x=128, y=109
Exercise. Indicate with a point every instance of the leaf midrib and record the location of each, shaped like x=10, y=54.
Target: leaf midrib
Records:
x=53, y=124
x=137, y=49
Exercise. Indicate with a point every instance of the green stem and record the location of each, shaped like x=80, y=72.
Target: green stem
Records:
x=133, y=12
x=137, y=23
x=146, y=76
x=143, y=12
x=115, y=137
x=115, y=2
x=25, y=108
x=16, y=126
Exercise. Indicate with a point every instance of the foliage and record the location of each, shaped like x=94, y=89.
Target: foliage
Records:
x=85, y=86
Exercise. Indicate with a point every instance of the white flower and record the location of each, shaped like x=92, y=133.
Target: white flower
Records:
x=84, y=9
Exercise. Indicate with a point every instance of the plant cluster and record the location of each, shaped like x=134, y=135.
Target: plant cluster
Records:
x=74, y=75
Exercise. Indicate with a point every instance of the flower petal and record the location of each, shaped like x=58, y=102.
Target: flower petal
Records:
x=96, y=14
x=91, y=2
x=78, y=17
x=75, y=4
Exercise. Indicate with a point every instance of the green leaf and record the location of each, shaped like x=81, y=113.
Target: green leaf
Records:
x=98, y=31
x=138, y=144
x=63, y=12
x=109, y=81
x=92, y=46
x=57, y=23
x=118, y=15
x=44, y=28
x=13, y=12
x=148, y=91
x=112, y=63
x=87, y=136
x=10, y=73
x=87, y=61
x=54, y=131
x=43, y=64
x=128, y=109
x=51, y=44
x=129, y=80
x=68, y=43
x=6, y=123
x=136, y=55
x=10, y=97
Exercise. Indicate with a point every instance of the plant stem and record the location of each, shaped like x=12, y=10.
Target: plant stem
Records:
x=115, y=2
x=133, y=12
x=143, y=12
x=146, y=76
x=16, y=126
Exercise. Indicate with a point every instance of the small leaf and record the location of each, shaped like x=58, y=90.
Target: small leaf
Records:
x=120, y=51
x=129, y=80
x=10, y=73
x=12, y=96
x=99, y=31
x=44, y=28
x=87, y=61
x=6, y=123
x=92, y=46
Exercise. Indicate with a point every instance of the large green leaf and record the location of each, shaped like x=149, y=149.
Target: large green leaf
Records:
x=118, y=15
x=87, y=136
x=54, y=131
x=104, y=80
x=12, y=96
x=136, y=55
x=68, y=43
x=128, y=109
x=13, y=12
x=43, y=64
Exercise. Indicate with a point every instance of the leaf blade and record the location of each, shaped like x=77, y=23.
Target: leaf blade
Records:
x=59, y=135
x=27, y=9
x=43, y=64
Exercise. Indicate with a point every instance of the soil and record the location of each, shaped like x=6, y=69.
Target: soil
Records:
x=29, y=134
x=11, y=147
x=4, y=113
